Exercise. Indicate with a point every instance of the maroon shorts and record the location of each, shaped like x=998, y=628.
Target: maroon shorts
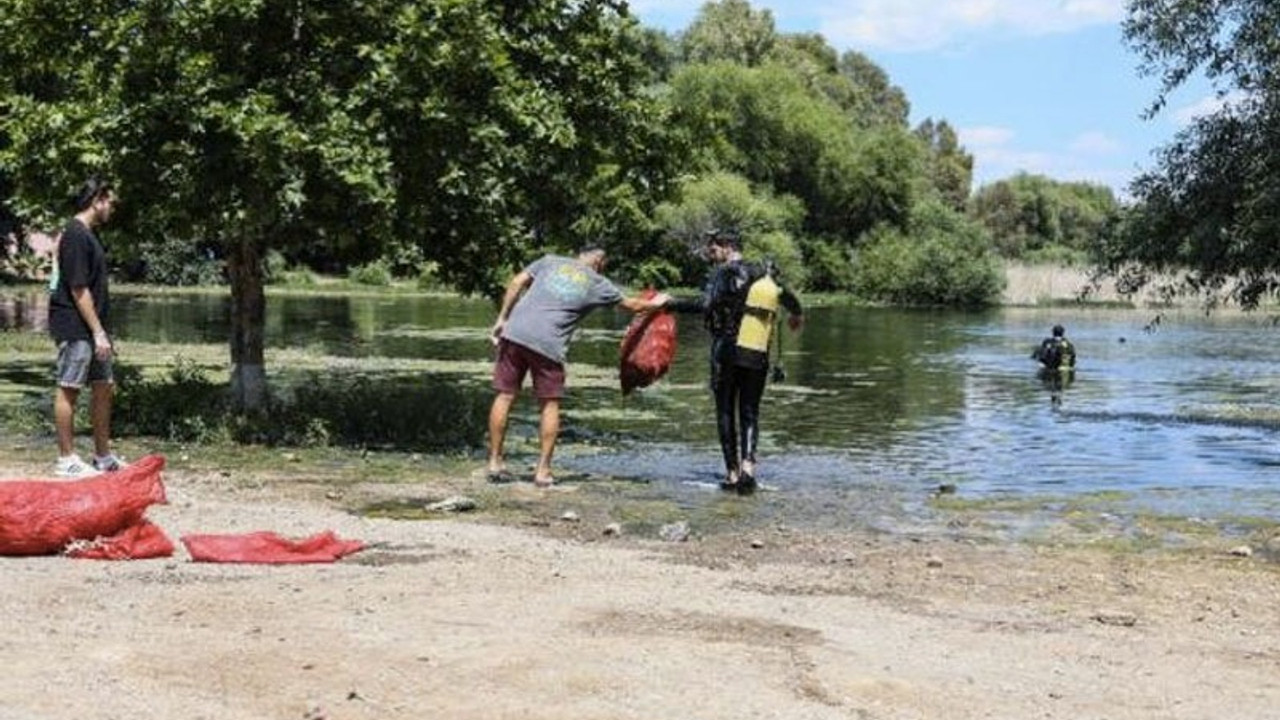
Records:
x=515, y=360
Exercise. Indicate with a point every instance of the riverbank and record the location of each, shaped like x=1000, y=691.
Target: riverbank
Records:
x=1027, y=285
x=544, y=605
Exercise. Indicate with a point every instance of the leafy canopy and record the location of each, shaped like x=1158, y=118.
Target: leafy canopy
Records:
x=327, y=130
x=1210, y=211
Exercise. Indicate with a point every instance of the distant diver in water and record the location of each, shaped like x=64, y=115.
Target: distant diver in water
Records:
x=1057, y=357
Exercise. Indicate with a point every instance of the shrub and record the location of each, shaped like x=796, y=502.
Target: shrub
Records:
x=298, y=277
x=943, y=259
x=830, y=266
x=182, y=405
x=274, y=266
x=307, y=409
x=176, y=261
x=376, y=273
x=417, y=413
x=429, y=276
x=1059, y=255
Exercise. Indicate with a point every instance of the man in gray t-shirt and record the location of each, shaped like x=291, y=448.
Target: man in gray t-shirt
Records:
x=541, y=309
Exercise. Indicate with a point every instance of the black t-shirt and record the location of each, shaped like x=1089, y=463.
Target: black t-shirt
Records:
x=82, y=262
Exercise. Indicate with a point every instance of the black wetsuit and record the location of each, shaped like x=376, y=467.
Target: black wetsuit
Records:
x=1057, y=357
x=737, y=375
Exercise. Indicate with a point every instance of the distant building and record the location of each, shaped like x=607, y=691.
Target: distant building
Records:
x=42, y=244
x=42, y=247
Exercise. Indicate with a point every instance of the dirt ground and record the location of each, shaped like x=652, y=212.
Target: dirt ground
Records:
x=454, y=618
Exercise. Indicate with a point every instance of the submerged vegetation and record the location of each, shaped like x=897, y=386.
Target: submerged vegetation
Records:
x=179, y=393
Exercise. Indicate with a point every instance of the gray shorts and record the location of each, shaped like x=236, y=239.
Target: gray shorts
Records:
x=77, y=365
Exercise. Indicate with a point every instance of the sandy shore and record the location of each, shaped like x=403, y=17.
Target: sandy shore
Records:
x=452, y=618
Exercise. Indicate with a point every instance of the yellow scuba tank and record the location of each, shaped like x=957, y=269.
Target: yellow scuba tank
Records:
x=760, y=308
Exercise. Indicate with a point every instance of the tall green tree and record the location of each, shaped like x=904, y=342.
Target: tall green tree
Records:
x=729, y=31
x=1033, y=216
x=949, y=165
x=474, y=129
x=768, y=125
x=1211, y=209
x=940, y=258
x=723, y=200
x=876, y=99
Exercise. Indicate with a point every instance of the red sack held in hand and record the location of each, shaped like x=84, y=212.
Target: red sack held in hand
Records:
x=647, y=348
x=269, y=548
x=43, y=517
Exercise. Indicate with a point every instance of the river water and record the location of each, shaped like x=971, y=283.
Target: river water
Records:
x=880, y=407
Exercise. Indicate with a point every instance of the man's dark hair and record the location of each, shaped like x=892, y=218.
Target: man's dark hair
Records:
x=1059, y=331
x=92, y=189
x=725, y=237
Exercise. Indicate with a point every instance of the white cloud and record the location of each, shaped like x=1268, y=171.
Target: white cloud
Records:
x=904, y=25
x=642, y=7
x=1001, y=162
x=984, y=136
x=1095, y=143
x=1207, y=105
x=912, y=24
x=996, y=156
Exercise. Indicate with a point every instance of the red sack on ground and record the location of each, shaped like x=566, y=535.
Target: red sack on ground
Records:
x=136, y=542
x=42, y=517
x=647, y=349
x=269, y=548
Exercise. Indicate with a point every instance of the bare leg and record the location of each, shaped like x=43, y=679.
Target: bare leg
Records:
x=64, y=413
x=548, y=431
x=100, y=414
x=498, y=429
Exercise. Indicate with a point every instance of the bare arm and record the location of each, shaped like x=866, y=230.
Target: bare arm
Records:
x=515, y=287
x=637, y=304
x=84, y=303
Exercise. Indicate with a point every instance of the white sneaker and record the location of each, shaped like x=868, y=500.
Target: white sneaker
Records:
x=108, y=463
x=72, y=466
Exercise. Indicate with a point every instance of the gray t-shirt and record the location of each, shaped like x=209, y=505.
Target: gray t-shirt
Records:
x=563, y=291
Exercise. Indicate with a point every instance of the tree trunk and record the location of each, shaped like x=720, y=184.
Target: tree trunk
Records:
x=248, y=318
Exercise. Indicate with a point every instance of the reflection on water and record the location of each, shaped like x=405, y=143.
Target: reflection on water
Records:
x=30, y=311
x=877, y=403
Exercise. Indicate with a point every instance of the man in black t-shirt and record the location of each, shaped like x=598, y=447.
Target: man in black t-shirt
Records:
x=78, y=319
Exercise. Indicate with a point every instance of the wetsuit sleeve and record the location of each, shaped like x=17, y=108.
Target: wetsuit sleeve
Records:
x=697, y=304
x=791, y=302
x=1039, y=352
x=688, y=304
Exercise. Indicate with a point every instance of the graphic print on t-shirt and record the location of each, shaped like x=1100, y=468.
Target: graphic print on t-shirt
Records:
x=569, y=283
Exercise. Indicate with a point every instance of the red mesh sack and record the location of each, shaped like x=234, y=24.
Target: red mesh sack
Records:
x=269, y=548
x=42, y=517
x=647, y=348
x=136, y=542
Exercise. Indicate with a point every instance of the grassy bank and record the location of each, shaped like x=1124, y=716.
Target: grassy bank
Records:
x=1027, y=285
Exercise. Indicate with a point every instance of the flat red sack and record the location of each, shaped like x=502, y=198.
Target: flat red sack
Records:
x=269, y=548
x=43, y=517
x=648, y=348
x=136, y=542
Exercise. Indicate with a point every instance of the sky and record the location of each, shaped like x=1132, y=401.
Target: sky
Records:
x=1041, y=86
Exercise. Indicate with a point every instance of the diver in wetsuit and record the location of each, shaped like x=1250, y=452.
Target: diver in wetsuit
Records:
x=1057, y=357
x=739, y=305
